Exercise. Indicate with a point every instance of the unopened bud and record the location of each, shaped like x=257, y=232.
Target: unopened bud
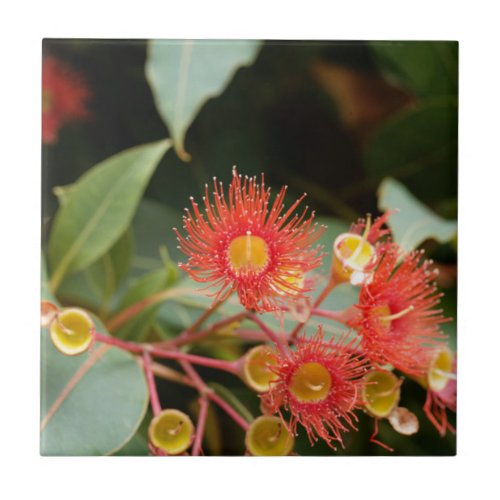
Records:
x=403, y=421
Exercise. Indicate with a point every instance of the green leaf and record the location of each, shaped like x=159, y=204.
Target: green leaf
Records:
x=145, y=286
x=63, y=193
x=45, y=293
x=91, y=404
x=138, y=446
x=183, y=75
x=99, y=209
x=109, y=272
x=419, y=145
x=414, y=223
x=427, y=68
x=152, y=227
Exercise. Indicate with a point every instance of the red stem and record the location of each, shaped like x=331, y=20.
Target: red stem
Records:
x=342, y=316
x=187, y=336
x=218, y=364
x=271, y=335
x=160, y=371
x=200, y=426
x=150, y=379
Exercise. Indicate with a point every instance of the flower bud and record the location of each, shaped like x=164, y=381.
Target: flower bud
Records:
x=403, y=421
x=72, y=331
x=257, y=372
x=171, y=431
x=268, y=437
x=381, y=392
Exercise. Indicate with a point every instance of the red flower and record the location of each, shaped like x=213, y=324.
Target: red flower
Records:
x=64, y=98
x=396, y=317
x=320, y=384
x=246, y=245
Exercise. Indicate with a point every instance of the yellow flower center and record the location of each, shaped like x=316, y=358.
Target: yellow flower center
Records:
x=171, y=431
x=248, y=253
x=311, y=382
x=267, y=436
x=441, y=370
x=381, y=392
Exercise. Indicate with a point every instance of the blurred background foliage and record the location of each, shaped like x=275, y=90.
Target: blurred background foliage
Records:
x=333, y=119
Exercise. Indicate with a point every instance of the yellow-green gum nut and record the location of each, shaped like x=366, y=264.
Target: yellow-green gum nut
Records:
x=268, y=437
x=72, y=331
x=381, y=392
x=440, y=370
x=256, y=368
x=351, y=253
x=171, y=431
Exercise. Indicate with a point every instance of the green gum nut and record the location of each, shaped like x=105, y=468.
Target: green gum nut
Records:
x=257, y=371
x=171, y=431
x=72, y=331
x=268, y=437
x=381, y=393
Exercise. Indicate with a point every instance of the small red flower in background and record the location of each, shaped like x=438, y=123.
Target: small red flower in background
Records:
x=397, y=319
x=64, y=98
x=320, y=384
x=245, y=244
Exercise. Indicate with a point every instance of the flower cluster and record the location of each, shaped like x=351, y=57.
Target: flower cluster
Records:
x=245, y=243
x=262, y=252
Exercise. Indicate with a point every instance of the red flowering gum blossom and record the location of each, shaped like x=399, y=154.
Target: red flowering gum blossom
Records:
x=397, y=319
x=64, y=98
x=320, y=385
x=246, y=245
x=357, y=252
